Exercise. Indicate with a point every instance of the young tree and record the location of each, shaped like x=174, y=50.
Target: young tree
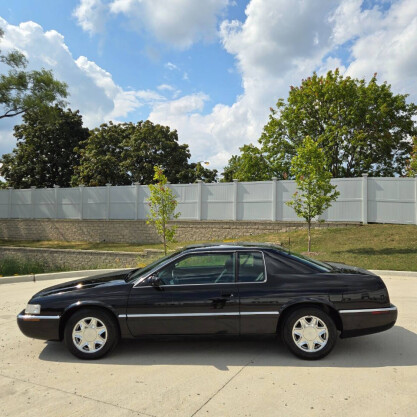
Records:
x=44, y=155
x=22, y=90
x=314, y=192
x=162, y=203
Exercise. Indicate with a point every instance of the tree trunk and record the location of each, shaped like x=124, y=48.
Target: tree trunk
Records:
x=309, y=236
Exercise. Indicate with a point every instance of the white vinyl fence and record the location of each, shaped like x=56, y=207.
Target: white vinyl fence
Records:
x=379, y=200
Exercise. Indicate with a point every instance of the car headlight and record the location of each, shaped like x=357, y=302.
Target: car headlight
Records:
x=33, y=309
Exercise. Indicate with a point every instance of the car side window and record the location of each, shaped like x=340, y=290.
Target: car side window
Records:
x=251, y=267
x=207, y=268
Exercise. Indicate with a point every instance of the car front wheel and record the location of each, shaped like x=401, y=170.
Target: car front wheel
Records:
x=91, y=333
x=309, y=333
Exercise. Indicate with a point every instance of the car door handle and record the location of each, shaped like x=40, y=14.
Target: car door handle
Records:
x=227, y=295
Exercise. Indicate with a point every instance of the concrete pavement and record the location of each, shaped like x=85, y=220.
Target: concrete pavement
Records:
x=366, y=376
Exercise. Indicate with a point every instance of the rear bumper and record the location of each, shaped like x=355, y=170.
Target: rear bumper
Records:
x=39, y=327
x=360, y=322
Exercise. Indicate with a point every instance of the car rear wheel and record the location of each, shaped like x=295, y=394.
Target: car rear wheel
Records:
x=309, y=333
x=91, y=333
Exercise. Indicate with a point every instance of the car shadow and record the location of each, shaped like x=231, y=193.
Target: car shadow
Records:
x=396, y=347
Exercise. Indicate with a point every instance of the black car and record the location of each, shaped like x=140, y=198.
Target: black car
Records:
x=215, y=289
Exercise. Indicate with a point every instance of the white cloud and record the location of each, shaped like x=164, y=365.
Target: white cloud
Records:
x=91, y=15
x=280, y=43
x=163, y=87
x=179, y=23
x=171, y=66
x=176, y=22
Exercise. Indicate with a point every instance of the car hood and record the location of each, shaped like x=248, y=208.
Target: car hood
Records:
x=109, y=279
x=349, y=269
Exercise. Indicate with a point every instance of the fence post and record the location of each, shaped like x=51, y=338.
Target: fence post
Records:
x=108, y=185
x=137, y=185
x=56, y=187
x=235, y=197
x=364, y=198
x=9, y=210
x=199, y=198
x=81, y=187
x=416, y=196
x=274, y=199
x=32, y=201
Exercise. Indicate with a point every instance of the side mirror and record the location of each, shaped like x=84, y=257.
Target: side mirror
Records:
x=155, y=281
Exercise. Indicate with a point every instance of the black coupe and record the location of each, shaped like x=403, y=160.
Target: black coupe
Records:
x=215, y=289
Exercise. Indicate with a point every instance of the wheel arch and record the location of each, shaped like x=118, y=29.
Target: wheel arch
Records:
x=73, y=308
x=320, y=304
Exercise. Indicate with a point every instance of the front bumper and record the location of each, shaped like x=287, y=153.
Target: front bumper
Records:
x=360, y=322
x=38, y=326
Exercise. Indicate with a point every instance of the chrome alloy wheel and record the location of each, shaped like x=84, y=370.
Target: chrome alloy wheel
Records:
x=310, y=334
x=89, y=335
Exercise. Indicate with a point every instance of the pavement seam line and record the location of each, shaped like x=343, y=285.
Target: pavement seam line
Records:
x=76, y=395
x=224, y=385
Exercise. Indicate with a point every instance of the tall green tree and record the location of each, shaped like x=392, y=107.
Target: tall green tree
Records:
x=162, y=204
x=101, y=156
x=314, y=192
x=44, y=155
x=362, y=127
x=22, y=90
x=250, y=165
x=124, y=153
x=153, y=144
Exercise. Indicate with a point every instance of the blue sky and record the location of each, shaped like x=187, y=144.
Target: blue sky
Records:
x=209, y=69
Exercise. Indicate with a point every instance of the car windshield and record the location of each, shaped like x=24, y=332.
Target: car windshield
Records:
x=322, y=266
x=143, y=271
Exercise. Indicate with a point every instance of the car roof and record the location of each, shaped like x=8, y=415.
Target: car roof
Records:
x=231, y=245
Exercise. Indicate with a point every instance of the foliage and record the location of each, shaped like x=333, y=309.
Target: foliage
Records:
x=16, y=266
x=362, y=127
x=198, y=172
x=22, y=90
x=412, y=163
x=44, y=155
x=314, y=192
x=162, y=203
x=101, y=156
x=250, y=165
x=121, y=154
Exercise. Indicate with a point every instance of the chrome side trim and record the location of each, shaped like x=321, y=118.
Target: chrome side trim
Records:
x=245, y=313
x=259, y=313
x=368, y=310
x=31, y=317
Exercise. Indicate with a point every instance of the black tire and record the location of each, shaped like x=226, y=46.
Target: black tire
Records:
x=301, y=349
x=106, y=325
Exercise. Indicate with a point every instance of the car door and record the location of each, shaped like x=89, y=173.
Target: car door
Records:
x=258, y=299
x=195, y=294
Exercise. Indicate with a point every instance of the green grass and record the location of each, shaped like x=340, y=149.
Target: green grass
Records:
x=378, y=246
x=13, y=266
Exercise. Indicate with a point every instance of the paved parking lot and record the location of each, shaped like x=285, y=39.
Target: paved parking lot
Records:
x=368, y=376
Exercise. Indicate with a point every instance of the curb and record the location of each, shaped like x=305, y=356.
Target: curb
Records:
x=404, y=274
x=57, y=275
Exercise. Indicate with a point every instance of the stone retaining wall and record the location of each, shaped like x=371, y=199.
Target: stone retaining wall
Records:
x=80, y=259
x=137, y=231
